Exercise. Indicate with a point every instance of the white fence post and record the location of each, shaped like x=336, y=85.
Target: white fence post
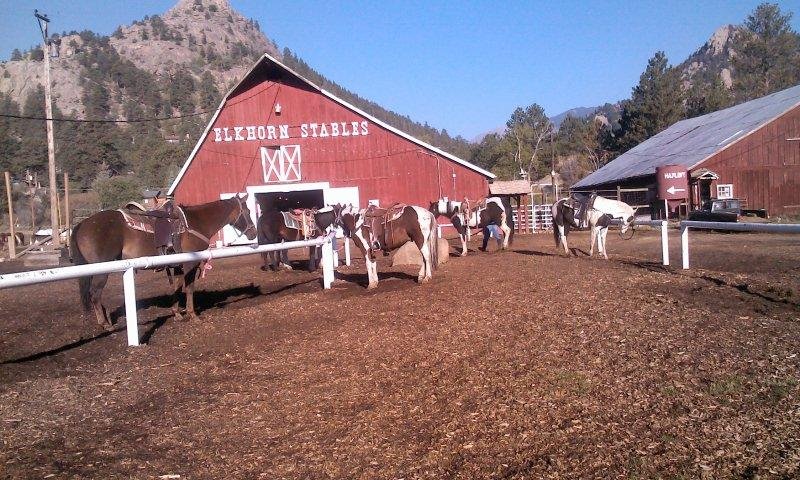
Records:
x=685, y=245
x=327, y=264
x=131, y=320
x=664, y=243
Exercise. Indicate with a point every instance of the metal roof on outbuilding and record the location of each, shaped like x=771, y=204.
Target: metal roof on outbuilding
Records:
x=692, y=141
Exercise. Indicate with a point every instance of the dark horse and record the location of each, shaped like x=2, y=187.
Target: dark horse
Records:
x=477, y=214
x=272, y=228
x=107, y=235
x=376, y=229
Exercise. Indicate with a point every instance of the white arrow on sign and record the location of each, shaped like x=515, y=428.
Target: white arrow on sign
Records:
x=672, y=190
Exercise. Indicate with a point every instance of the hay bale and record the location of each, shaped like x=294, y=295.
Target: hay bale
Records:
x=409, y=254
x=444, y=251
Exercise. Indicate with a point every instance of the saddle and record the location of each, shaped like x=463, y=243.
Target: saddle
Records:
x=164, y=223
x=374, y=216
x=473, y=208
x=581, y=204
x=302, y=220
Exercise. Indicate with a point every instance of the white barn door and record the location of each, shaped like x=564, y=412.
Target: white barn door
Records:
x=343, y=195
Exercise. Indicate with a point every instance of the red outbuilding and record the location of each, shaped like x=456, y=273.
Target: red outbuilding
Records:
x=289, y=143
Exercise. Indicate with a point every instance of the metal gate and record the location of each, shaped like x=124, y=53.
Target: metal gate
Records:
x=538, y=216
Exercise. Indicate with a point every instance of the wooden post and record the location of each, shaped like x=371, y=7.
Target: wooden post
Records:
x=51, y=155
x=619, y=194
x=67, y=213
x=12, y=247
x=33, y=213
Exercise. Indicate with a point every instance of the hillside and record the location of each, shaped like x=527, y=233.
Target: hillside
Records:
x=178, y=64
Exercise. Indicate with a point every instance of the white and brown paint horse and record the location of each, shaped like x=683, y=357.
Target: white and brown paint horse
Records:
x=374, y=229
x=477, y=215
x=600, y=213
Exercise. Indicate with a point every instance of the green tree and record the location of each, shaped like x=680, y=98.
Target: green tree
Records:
x=767, y=58
x=33, y=135
x=704, y=98
x=9, y=139
x=114, y=192
x=529, y=131
x=655, y=104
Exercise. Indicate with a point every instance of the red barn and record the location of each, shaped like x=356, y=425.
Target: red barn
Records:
x=289, y=143
x=750, y=151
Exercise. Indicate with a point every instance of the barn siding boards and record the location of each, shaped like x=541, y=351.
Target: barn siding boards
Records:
x=763, y=167
x=746, y=145
x=384, y=163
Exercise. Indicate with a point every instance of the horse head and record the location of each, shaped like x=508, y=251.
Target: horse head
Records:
x=346, y=219
x=240, y=218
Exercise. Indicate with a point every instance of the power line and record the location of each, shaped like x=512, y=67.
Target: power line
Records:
x=78, y=120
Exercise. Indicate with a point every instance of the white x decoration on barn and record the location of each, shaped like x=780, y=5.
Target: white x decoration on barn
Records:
x=281, y=164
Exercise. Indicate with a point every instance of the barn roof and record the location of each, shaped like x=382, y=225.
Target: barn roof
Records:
x=266, y=59
x=692, y=141
x=510, y=187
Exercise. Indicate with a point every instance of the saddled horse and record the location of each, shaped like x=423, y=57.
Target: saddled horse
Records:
x=305, y=224
x=477, y=214
x=593, y=212
x=377, y=229
x=119, y=234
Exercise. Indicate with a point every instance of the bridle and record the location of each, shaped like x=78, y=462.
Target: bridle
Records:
x=248, y=220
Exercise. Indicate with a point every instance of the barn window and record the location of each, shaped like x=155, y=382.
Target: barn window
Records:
x=375, y=202
x=725, y=190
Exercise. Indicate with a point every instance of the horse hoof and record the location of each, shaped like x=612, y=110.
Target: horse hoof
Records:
x=372, y=286
x=179, y=316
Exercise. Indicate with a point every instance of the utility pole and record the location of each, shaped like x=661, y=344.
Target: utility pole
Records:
x=51, y=155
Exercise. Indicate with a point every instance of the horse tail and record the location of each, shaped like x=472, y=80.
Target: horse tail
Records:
x=509, y=219
x=556, y=236
x=433, y=243
x=84, y=283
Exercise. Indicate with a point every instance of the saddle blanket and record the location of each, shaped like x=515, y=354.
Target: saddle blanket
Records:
x=303, y=221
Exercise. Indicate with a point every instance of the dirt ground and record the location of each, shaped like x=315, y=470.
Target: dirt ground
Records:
x=519, y=364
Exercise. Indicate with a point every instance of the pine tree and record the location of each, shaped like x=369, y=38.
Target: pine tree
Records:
x=767, y=57
x=704, y=98
x=655, y=104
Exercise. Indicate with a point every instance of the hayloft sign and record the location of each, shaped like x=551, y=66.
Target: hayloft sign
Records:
x=672, y=182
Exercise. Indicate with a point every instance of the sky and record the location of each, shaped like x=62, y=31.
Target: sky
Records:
x=462, y=66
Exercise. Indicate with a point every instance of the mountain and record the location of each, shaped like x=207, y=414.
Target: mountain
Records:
x=709, y=62
x=177, y=65
x=712, y=60
x=578, y=112
x=192, y=38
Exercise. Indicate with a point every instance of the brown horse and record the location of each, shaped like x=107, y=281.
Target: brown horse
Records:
x=376, y=229
x=272, y=228
x=107, y=235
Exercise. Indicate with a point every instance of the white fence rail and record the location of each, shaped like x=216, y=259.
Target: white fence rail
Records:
x=128, y=266
x=730, y=226
x=662, y=225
